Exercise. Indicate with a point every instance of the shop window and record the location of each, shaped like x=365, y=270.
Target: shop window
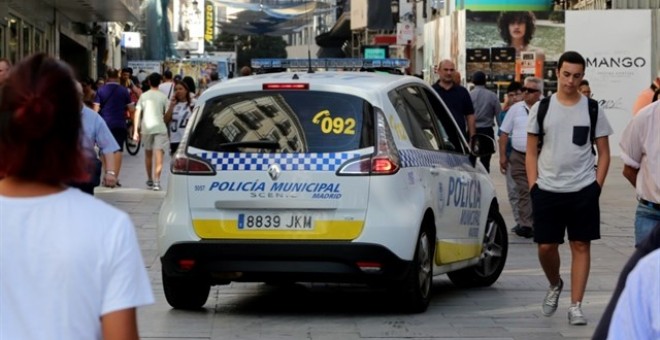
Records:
x=27, y=40
x=13, y=41
x=38, y=41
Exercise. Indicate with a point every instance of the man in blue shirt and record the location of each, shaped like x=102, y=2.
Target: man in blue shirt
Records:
x=457, y=98
x=112, y=101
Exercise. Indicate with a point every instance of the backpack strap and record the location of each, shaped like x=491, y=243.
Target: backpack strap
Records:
x=540, y=116
x=593, y=119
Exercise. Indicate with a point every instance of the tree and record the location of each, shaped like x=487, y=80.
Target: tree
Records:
x=250, y=47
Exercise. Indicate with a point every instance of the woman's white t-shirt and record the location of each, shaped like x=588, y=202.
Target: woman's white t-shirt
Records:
x=66, y=259
x=180, y=115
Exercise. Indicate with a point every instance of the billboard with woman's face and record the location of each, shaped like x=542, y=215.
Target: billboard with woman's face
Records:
x=522, y=43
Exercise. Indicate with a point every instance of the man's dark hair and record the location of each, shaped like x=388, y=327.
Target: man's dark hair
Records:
x=154, y=79
x=571, y=57
x=584, y=82
x=214, y=76
x=479, y=78
x=167, y=75
x=507, y=18
x=514, y=86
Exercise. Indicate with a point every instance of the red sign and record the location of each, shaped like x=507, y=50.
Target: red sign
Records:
x=385, y=39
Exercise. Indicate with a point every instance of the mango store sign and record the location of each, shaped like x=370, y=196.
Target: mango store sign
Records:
x=617, y=45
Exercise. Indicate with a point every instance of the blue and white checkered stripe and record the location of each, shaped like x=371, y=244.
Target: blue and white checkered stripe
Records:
x=236, y=161
x=424, y=158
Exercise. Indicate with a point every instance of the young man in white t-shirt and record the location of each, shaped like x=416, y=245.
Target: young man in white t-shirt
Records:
x=150, y=111
x=563, y=184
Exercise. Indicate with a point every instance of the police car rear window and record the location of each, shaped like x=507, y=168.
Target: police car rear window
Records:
x=284, y=121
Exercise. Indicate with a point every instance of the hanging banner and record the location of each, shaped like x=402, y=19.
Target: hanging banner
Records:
x=209, y=25
x=617, y=46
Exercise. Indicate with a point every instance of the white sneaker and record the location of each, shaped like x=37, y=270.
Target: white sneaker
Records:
x=156, y=186
x=575, y=315
x=552, y=299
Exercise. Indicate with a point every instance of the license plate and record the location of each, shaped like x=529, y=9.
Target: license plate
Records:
x=275, y=222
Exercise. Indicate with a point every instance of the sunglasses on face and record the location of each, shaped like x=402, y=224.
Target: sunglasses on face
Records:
x=529, y=90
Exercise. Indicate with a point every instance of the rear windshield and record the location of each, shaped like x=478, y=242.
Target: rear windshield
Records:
x=284, y=121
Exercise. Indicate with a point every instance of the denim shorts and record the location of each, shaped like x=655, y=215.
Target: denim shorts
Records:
x=646, y=218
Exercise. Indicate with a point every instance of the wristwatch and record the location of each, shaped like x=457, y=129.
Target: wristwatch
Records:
x=110, y=172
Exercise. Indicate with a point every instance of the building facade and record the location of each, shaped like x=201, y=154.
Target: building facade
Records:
x=76, y=31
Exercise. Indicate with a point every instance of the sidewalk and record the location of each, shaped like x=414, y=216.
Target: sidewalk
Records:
x=510, y=309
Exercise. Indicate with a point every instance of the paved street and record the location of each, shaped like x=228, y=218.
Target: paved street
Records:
x=510, y=309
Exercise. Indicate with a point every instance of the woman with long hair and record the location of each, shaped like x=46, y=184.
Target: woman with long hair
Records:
x=179, y=110
x=70, y=264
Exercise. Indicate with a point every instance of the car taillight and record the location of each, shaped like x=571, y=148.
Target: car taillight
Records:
x=385, y=159
x=285, y=86
x=188, y=165
x=383, y=166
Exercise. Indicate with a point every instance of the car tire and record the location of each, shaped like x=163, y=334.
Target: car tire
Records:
x=493, y=256
x=415, y=290
x=185, y=293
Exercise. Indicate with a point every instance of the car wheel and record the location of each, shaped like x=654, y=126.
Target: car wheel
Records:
x=185, y=293
x=493, y=256
x=415, y=290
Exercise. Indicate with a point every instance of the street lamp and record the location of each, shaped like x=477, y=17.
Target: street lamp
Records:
x=395, y=12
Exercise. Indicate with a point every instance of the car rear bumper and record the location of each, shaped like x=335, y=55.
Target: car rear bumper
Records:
x=222, y=261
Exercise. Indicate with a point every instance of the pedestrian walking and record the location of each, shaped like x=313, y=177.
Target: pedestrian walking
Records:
x=167, y=84
x=640, y=152
x=112, y=100
x=637, y=314
x=585, y=88
x=150, y=112
x=180, y=109
x=70, y=264
x=513, y=95
x=457, y=98
x=486, y=108
x=648, y=245
x=564, y=187
x=515, y=126
x=648, y=95
x=97, y=134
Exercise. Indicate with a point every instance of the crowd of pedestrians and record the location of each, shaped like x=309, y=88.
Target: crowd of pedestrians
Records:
x=553, y=178
x=547, y=151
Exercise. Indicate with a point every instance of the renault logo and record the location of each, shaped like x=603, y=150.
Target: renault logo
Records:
x=274, y=172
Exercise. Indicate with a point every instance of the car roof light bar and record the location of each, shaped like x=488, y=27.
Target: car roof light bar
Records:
x=329, y=63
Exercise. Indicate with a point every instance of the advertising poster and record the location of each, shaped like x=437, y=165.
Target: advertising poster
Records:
x=619, y=64
x=476, y=59
x=503, y=66
x=189, y=19
x=534, y=37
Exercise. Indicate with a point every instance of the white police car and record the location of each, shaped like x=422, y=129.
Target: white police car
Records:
x=331, y=177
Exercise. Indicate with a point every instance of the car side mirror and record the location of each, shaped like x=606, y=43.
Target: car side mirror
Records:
x=482, y=145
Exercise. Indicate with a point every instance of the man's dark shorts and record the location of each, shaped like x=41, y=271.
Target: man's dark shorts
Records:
x=120, y=136
x=578, y=213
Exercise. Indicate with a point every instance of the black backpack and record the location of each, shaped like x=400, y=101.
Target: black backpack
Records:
x=593, y=119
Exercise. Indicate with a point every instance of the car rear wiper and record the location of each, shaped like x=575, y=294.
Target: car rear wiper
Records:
x=257, y=144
